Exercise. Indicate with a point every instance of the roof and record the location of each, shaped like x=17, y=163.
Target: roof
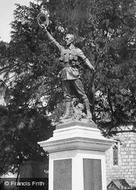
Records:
x=119, y=183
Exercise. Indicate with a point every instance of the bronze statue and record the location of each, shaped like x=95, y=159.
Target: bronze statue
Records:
x=70, y=74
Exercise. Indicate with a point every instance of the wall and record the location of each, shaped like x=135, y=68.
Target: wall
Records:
x=126, y=168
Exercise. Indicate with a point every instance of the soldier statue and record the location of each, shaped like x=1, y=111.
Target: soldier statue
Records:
x=69, y=74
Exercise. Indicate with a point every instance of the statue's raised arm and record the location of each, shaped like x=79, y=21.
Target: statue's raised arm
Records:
x=52, y=39
x=43, y=21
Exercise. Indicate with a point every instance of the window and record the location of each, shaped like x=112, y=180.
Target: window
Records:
x=115, y=154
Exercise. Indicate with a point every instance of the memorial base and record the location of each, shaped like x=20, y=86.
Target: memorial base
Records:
x=77, y=157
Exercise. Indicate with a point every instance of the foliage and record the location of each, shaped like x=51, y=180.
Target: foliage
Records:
x=19, y=137
x=21, y=125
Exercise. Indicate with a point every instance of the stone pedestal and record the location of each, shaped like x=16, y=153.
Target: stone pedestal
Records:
x=77, y=157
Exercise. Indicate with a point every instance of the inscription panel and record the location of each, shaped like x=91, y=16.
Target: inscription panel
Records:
x=92, y=174
x=62, y=178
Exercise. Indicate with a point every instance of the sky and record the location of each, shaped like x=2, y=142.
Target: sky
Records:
x=6, y=16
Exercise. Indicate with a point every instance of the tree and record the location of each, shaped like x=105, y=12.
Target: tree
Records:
x=21, y=127
x=115, y=62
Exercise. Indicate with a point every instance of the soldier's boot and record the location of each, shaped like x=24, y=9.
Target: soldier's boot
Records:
x=89, y=115
x=67, y=111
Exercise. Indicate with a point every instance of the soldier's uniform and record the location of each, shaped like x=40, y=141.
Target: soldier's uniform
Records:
x=70, y=74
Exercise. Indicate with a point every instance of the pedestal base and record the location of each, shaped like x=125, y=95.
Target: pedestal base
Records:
x=77, y=158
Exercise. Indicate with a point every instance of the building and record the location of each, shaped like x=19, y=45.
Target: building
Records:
x=121, y=157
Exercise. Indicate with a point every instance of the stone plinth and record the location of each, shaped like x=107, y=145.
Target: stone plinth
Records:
x=77, y=157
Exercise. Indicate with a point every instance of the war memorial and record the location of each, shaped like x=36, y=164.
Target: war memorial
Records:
x=77, y=148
